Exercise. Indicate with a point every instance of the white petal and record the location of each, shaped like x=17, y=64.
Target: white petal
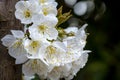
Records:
x=67, y=67
x=33, y=29
x=51, y=20
x=50, y=8
x=8, y=40
x=35, y=34
x=35, y=6
x=81, y=32
x=51, y=34
x=71, y=29
x=70, y=77
x=42, y=53
x=19, y=14
x=54, y=75
x=83, y=59
x=60, y=45
x=21, y=59
x=80, y=63
x=17, y=50
x=35, y=67
x=38, y=19
x=73, y=45
x=17, y=33
x=32, y=48
x=26, y=20
x=20, y=5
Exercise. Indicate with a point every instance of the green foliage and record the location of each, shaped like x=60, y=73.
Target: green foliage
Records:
x=62, y=17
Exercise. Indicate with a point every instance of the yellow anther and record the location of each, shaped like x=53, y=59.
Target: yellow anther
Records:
x=27, y=14
x=45, y=11
x=35, y=45
x=17, y=44
x=42, y=1
x=51, y=50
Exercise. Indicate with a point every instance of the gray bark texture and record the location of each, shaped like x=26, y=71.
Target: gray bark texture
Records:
x=8, y=69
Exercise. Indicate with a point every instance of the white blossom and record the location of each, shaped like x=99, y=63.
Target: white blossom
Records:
x=15, y=47
x=32, y=47
x=25, y=11
x=69, y=70
x=44, y=28
x=76, y=43
x=54, y=53
x=36, y=66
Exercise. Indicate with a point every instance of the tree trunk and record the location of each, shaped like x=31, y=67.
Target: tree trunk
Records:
x=8, y=69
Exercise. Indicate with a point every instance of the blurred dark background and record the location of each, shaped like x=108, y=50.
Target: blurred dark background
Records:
x=103, y=41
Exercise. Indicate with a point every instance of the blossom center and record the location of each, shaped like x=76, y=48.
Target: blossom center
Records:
x=42, y=1
x=51, y=49
x=35, y=62
x=17, y=44
x=42, y=28
x=45, y=11
x=35, y=45
x=27, y=13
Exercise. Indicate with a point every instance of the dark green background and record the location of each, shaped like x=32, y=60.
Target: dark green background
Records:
x=104, y=42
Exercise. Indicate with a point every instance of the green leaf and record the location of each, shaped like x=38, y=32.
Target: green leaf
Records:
x=62, y=17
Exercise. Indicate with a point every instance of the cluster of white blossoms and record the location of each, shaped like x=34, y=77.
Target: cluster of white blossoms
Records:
x=43, y=48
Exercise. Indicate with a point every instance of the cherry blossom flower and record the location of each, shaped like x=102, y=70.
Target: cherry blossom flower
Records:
x=44, y=28
x=25, y=11
x=15, y=47
x=36, y=66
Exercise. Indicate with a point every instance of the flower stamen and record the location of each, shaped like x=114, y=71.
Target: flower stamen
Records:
x=51, y=50
x=45, y=11
x=42, y=28
x=42, y=1
x=27, y=13
x=35, y=45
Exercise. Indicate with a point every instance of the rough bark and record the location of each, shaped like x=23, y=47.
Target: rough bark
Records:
x=8, y=69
